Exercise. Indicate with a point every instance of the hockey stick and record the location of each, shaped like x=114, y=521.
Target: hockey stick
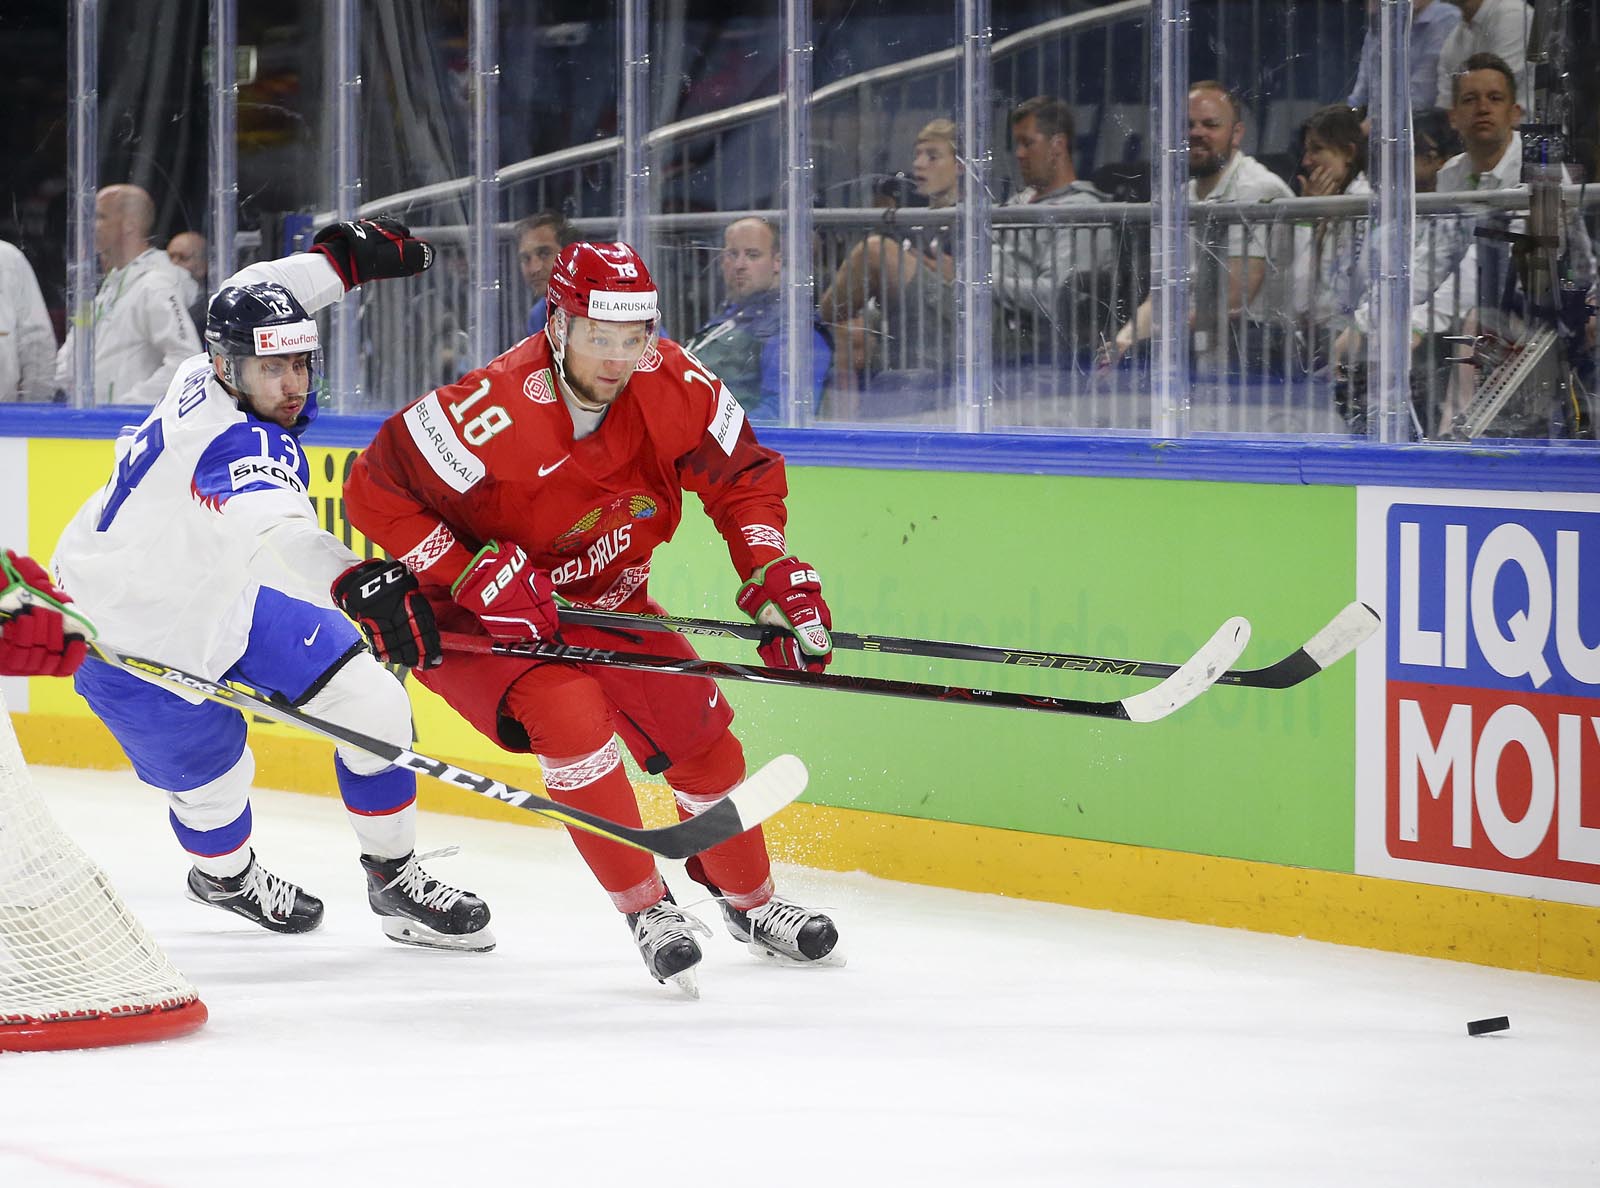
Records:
x=1187, y=681
x=1343, y=633
x=757, y=798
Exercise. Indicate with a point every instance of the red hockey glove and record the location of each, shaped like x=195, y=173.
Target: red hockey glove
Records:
x=38, y=635
x=786, y=595
x=511, y=598
x=383, y=600
x=372, y=249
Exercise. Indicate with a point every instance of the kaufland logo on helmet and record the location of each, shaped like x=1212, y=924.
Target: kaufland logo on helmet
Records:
x=622, y=307
x=1492, y=689
x=286, y=340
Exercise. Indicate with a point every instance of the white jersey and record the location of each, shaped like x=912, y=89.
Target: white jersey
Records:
x=207, y=503
x=27, y=341
x=142, y=331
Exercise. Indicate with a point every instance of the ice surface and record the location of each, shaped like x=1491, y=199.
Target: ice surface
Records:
x=971, y=1041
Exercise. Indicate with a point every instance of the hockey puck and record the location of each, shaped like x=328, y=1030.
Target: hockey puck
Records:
x=1485, y=1026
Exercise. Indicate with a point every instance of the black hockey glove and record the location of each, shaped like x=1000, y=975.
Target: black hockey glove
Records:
x=372, y=249
x=383, y=599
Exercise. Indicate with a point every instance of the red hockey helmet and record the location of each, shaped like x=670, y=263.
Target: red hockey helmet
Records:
x=607, y=282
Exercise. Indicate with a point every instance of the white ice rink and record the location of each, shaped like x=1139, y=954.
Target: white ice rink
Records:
x=971, y=1041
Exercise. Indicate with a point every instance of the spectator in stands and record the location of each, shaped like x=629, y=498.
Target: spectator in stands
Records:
x=1330, y=274
x=187, y=249
x=142, y=329
x=1432, y=22
x=1218, y=172
x=1458, y=280
x=1037, y=270
x=744, y=344
x=1498, y=27
x=540, y=238
x=901, y=288
x=27, y=340
x=1434, y=141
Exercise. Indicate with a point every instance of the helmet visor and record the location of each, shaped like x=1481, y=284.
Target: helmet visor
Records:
x=621, y=342
x=273, y=382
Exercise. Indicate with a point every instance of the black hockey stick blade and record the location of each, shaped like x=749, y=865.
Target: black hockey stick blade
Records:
x=757, y=798
x=1183, y=685
x=1342, y=634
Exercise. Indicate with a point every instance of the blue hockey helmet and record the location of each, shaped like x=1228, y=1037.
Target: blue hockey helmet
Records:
x=263, y=319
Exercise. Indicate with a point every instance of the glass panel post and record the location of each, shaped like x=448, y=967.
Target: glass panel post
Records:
x=83, y=175
x=1393, y=208
x=974, y=307
x=1169, y=247
x=224, y=143
x=799, y=302
x=343, y=69
x=483, y=235
x=636, y=125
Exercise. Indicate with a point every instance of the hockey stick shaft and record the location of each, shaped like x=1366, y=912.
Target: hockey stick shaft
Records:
x=764, y=793
x=1185, y=683
x=1347, y=629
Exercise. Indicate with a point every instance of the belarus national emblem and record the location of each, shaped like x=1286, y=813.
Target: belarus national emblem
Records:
x=601, y=520
x=537, y=387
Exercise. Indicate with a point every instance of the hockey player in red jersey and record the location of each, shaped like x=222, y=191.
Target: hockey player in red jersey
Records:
x=558, y=468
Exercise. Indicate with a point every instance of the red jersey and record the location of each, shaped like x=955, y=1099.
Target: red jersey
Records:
x=492, y=457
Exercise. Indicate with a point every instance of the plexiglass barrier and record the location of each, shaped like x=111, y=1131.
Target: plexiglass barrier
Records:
x=1311, y=218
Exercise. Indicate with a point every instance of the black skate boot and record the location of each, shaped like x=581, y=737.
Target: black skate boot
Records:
x=665, y=936
x=784, y=931
x=258, y=895
x=418, y=909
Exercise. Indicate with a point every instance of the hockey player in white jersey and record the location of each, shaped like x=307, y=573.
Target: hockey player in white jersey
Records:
x=203, y=551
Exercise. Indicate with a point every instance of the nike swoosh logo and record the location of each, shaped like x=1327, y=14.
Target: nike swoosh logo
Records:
x=544, y=470
x=312, y=638
x=714, y=696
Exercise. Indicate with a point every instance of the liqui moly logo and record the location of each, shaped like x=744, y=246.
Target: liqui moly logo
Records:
x=286, y=340
x=1491, y=691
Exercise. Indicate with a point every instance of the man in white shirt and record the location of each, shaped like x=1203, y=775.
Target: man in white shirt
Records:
x=1034, y=265
x=1218, y=172
x=142, y=328
x=1455, y=273
x=27, y=340
x=1498, y=27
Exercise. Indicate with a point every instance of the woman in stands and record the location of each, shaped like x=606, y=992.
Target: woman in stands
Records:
x=1330, y=275
x=892, y=301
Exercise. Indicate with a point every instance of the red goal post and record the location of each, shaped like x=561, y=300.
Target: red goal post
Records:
x=77, y=970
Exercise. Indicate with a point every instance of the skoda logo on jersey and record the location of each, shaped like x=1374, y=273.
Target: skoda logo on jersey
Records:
x=292, y=339
x=248, y=473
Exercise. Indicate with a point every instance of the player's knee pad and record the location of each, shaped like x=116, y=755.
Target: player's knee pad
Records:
x=565, y=776
x=363, y=696
x=708, y=774
x=564, y=711
x=214, y=817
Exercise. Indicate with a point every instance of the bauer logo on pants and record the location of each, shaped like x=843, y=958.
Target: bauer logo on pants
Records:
x=1479, y=739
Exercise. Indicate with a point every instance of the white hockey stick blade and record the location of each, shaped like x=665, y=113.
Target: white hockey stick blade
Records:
x=768, y=790
x=1194, y=676
x=1348, y=630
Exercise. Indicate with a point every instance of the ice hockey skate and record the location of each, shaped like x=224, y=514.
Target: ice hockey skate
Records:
x=785, y=932
x=418, y=909
x=665, y=936
x=260, y=896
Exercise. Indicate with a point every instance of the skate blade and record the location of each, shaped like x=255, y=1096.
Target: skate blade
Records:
x=771, y=956
x=686, y=983
x=409, y=932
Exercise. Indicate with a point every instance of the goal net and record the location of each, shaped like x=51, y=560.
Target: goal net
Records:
x=76, y=969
